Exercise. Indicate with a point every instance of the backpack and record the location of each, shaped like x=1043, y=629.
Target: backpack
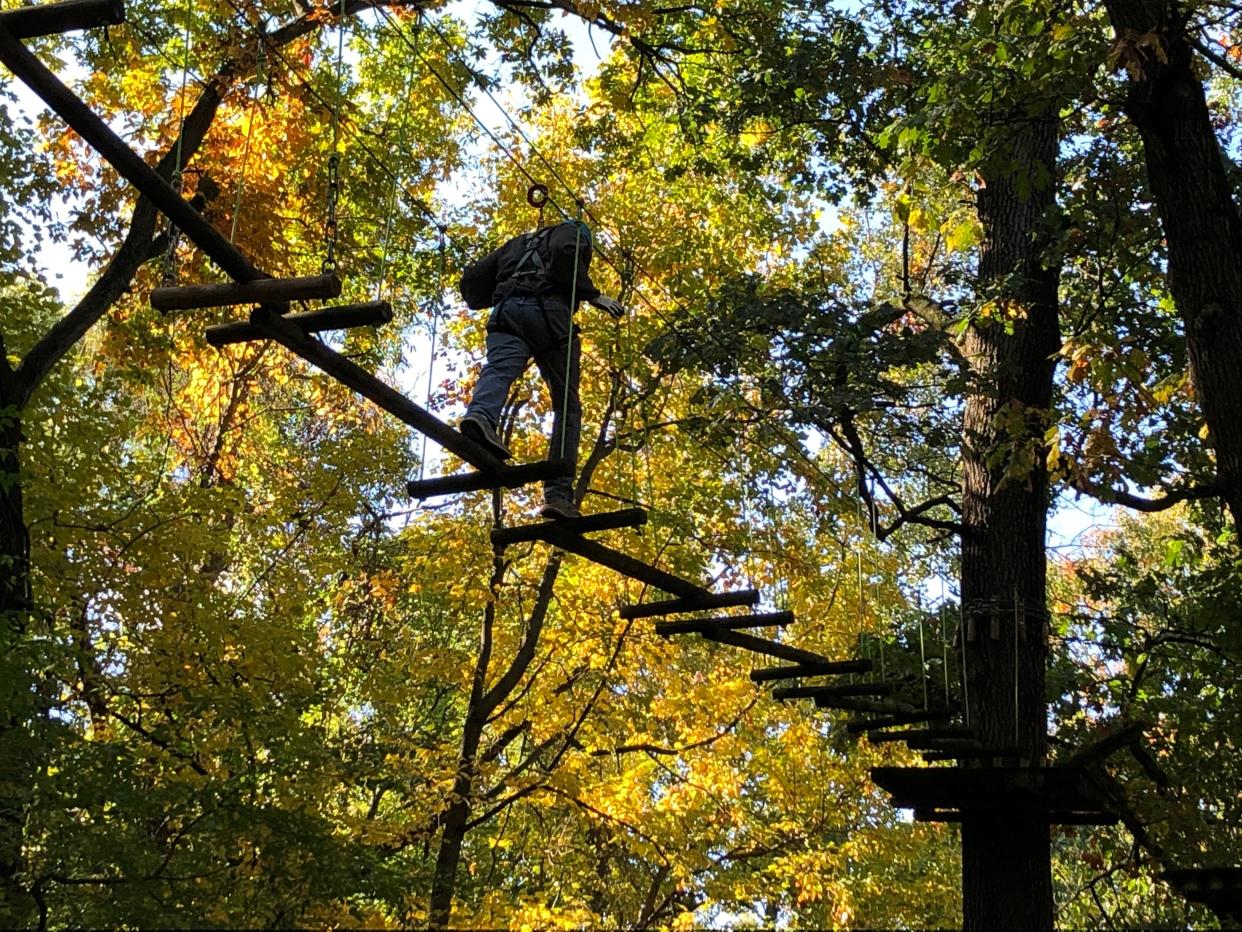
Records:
x=529, y=276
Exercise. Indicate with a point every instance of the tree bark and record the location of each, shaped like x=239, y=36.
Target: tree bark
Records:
x=1202, y=226
x=1006, y=867
x=16, y=765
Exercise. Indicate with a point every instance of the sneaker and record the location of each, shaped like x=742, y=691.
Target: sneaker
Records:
x=482, y=433
x=559, y=509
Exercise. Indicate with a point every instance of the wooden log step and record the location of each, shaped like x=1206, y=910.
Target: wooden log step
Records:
x=764, y=646
x=859, y=725
x=678, y=606
x=506, y=477
x=260, y=291
x=883, y=737
x=946, y=744
x=1064, y=794
x=975, y=754
x=859, y=689
x=48, y=19
x=861, y=704
x=341, y=317
x=605, y=521
x=830, y=668
x=624, y=564
x=724, y=623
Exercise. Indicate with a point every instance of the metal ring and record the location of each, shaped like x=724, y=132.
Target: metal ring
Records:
x=537, y=195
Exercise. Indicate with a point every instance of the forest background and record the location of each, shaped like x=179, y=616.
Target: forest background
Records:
x=901, y=276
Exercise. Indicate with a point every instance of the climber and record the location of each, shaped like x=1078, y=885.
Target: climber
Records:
x=533, y=284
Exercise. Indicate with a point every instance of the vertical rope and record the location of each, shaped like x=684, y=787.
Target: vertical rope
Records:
x=170, y=257
x=1017, y=622
x=334, y=161
x=569, y=341
x=389, y=210
x=437, y=309
x=245, y=162
x=923, y=662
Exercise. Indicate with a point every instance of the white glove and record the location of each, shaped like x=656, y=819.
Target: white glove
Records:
x=605, y=303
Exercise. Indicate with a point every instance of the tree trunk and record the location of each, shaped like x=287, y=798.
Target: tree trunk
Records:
x=16, y=765
x=1202, y=226
x=1006, y=868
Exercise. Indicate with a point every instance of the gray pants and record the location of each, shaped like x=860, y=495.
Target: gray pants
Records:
x=519, y=330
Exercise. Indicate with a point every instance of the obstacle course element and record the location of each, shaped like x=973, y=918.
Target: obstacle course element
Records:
x=30, y=22
x=950, y=794
x=339, y=317
x=1217, y=888
x=270, y=291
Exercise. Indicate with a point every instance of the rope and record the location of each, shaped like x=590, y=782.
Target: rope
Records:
x=334, y=161
x=392, y=190
x=437, y=309
x=241, y=183
x=170, y=257
x=569, y=342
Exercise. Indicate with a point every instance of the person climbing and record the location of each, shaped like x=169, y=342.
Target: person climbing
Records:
x=533, y=284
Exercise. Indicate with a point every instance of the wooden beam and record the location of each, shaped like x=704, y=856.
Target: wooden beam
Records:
x=353, y=376
x=622, y=563
x=859, y=725
x=1012, y=755
x=507, y=477
x=883, y=737
x=677, y=606
x=830, y=668
x=605, y=521
x=764, y=646
x=48, y=19
x=100, y=137
x=724, y=623
x=258, y=291
x=858, y=689
x=341, y=317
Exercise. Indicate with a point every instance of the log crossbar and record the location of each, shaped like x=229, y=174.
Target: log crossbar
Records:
x=1061, y=792
x=350, y=374
x=507, y=477
x=46, y=19
x=341, y=317
x=724, y=623
x=849, y=690
x=258, y=291
x=763, y=646
x=713, y=600
x=100, y=137
x=834, y=698
x=830, y=668
x=859, y=725
x=974, y=754
x=606, y=521
x=622, y=563
x=886, y=737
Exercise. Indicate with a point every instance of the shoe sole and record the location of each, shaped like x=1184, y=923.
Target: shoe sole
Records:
x=475, y=432
x=556, y=514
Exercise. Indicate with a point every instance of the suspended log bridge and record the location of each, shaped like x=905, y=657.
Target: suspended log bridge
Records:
x=949, y=794
x=605, y=521
x=49, y=19
x=799, y=670
x=706, y=626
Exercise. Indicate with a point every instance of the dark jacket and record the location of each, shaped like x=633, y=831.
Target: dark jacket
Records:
x=488, y=281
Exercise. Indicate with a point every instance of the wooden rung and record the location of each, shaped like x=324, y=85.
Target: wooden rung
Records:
x=342, y=317
x=860, y=704
x=764, y=646
x=605, y=521
x=48, y=19
x=623, y=563
x=882, y=737
x=988, y=754
x=948, y=744
x=859, y=725
x=260, y=291
x=676, y=606
x=506, y=477
x=858, y=689
x=831, y=668
x=724, y=623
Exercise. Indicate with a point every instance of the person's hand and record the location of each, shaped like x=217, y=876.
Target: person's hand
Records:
x=611, y=305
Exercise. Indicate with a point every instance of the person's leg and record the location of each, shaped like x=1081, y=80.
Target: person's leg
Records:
x=507, y=356
x=559, y=366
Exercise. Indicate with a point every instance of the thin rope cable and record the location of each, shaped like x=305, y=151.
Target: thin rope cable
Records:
x=435, y=329
x=392, y=190
x=569, y=341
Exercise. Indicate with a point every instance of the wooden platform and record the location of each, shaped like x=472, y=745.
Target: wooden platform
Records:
x=947, y=794
x=1217, y=888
